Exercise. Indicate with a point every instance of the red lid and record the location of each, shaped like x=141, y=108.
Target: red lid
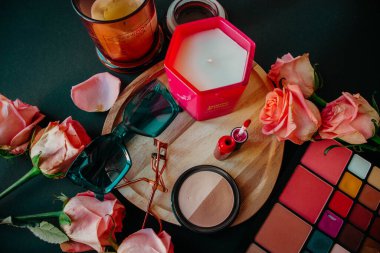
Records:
x=226, y=144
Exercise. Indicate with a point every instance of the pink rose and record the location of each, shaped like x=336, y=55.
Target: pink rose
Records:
x=17, y=121
x=349, y=118
x=93, y=222
x=294, y=71
x=147, y=241
x=289, y=116
x=58, y=145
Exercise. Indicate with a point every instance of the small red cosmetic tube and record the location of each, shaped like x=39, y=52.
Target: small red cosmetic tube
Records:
x=224, y=147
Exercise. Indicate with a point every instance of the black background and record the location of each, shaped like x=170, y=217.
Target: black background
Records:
x=44, y=50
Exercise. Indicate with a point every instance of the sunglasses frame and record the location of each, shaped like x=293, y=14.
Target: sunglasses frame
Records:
x=118, y=134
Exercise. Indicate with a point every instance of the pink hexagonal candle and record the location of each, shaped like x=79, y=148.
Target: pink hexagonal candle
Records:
x=208, y=65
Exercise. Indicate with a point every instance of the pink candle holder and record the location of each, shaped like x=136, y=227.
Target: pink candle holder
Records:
x=208, y=65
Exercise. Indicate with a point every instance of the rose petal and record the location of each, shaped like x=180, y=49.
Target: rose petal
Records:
x=166, y=240
x=144, y=241
x=27, y=112
x=74, y=247
x=9, y=117
x=51, y=148
x=97, y=94
x=23, y=136
x=75, y=133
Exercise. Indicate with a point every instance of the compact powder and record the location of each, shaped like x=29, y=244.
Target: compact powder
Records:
x=205, y=199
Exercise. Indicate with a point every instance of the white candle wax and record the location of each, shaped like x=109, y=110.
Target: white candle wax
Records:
x=211, y=59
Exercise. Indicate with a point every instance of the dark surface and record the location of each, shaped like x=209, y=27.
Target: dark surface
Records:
x=44, y=50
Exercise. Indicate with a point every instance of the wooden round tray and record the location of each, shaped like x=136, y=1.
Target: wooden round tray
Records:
x=254, y=167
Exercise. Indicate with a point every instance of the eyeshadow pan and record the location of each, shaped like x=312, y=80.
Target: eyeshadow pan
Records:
x=359, y=166
x=329, y=166
x=330, y=223
x=319, y=242
x=278, y=236
x=340, y=203
x=350, y=237
x=375, y=229
x=374, y=177
x=370, y=246
x=370, y=197
x=306, y=194
x=360, y=216
x=338, y=249
x=350, y=184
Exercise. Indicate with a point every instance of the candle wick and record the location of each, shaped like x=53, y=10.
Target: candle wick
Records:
x=209, y=60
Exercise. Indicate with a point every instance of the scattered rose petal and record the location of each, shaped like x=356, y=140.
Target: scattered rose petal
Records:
x=96, y=94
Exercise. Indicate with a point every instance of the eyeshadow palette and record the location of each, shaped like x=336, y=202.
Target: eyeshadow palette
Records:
x=330, y=204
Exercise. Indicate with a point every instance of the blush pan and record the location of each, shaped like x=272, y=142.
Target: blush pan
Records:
x=329, y=166
x=283, y=231
x=306, y=194
x=205, y=199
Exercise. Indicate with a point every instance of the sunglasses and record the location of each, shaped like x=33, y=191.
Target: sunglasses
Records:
x=106, y=161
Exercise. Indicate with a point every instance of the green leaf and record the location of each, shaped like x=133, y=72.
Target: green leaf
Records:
x=48, y=233
x=5, y=154
x=36, y=160
x=318, y=83
x=374, y=104
x=376, y=125
x=63, y=198
x=64, y=219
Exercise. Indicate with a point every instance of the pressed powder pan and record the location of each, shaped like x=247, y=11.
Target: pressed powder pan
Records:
x=205, y=199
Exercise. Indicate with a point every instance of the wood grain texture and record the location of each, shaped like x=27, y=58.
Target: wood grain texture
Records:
x=254, y=167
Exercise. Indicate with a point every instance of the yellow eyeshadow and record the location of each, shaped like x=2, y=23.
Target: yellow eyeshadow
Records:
x=374, y=177
x=350, y=184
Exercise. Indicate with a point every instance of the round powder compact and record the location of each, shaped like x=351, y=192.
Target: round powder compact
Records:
x=205, y=199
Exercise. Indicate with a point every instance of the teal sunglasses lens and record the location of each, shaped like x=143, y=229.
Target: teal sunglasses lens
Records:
x=151, y=111
x=102, y=165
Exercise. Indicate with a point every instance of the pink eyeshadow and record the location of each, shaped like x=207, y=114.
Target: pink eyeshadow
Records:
x=306, y=194
x=330, y=223
x=329, y=166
